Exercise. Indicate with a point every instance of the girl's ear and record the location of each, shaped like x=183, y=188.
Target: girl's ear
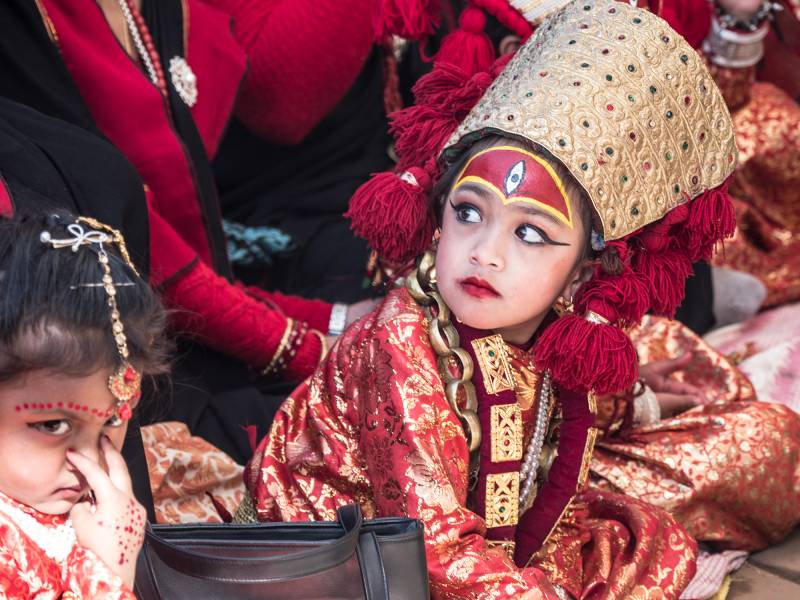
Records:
x=583, y=273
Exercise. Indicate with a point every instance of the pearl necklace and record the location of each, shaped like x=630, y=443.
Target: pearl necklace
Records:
x=530, y=462
x=144, y=44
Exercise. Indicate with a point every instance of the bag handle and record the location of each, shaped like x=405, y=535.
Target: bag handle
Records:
x=266, y=569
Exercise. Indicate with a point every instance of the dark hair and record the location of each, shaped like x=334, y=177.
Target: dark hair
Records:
x=576, y=193
x=53, y=315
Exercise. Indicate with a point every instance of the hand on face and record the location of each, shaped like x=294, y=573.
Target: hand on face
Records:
x=42, y=415
x=674, y=397
x=510, y=243
x=112, y=527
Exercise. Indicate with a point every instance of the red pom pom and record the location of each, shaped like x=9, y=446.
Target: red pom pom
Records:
x=392, y=212
x=585, y=356
x=468, y=47
x=410, y=19
x=444, y=97
x=711, y=219
x=665, y=273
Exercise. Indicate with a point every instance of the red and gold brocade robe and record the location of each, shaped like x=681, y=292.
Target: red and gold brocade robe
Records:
x=40, y=558
x=373, y=426
x=728, y=471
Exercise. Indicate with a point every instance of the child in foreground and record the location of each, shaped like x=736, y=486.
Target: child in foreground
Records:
x=568, y=202
x=78, y=331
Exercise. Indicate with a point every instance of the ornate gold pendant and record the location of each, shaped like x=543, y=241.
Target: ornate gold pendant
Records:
x=502, y=499
x=507, y=433
x=493, y=362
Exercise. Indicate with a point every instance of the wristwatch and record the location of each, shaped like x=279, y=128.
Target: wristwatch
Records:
x=338, y=319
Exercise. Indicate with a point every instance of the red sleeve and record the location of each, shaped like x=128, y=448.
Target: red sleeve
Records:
x=576, y=439
x=303, y=57
x=314, y=312
x=89, y=577
x=223, y=316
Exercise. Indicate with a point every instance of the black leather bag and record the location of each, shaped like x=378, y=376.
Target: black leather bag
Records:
x=349, y=559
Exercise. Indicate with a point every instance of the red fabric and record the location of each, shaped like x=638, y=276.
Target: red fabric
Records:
x=781, y=64
x=6, y=206
x=228, y=319
x=690, y=18
x=314, y=312
x=303, y=57
x=132, y=112
x=562, y=481
x=28, y=569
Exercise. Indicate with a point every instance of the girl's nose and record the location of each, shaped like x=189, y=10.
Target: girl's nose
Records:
x=488, y=253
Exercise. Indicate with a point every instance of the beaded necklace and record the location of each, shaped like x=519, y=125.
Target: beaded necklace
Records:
x=143, y=42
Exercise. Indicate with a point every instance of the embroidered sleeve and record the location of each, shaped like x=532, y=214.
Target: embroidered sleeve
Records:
x=566, y=477
x=417, y=459
x=12, y=583
x=89, y=577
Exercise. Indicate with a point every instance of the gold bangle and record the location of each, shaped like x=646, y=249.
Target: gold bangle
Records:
x=323, y=341
x=281, y=348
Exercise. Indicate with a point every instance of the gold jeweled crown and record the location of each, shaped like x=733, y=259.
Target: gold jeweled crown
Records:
x=623, y=101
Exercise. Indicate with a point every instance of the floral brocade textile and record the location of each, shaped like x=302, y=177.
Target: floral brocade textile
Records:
x=728, y=471
x=373, y=426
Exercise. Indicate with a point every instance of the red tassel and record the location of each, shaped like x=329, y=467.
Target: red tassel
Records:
x=392, y=212
x=410, y=19
x=711, y=219
x=622, y=299
x=665, y=273
x=585, y=356
x=468, y=47
x=443, y=98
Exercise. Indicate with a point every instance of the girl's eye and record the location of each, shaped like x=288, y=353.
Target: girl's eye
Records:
x=466, y=213
x=55, y=427
x=530, y=234
x=114, y=421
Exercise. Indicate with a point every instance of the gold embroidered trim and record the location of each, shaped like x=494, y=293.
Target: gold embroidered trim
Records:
x=588, y=451
x=506, y=545
x=592, y=398
x=493, y=362
x=526, y=385
x=502, y=499
x=507, y=434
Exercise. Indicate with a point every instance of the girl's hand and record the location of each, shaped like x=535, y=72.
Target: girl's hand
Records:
x=674, y=397
x=741, y=9
x=112, y=528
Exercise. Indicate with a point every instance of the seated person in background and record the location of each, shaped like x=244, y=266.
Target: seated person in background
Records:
x=120, y=70
x=79, y=329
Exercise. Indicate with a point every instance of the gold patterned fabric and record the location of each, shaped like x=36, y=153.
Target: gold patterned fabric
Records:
x=766, y=187
x=623, y=102
x=728, y=471
x=373, y=426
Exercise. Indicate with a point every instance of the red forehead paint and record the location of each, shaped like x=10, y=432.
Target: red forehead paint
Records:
x=515, y=175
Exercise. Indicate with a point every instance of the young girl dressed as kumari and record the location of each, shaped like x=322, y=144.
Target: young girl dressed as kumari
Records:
x=78, y=330
x=465, y=400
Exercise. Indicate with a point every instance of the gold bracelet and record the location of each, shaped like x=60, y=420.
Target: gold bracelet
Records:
x=281, y=348
x=322, y=341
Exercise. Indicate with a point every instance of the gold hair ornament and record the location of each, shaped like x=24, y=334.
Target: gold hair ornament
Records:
x=125, y=383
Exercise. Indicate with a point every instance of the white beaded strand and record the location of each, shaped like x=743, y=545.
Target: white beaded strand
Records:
x=530, y=463
x=137, y=41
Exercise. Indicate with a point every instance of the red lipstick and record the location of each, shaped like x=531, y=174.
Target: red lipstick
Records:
x=478, y=288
